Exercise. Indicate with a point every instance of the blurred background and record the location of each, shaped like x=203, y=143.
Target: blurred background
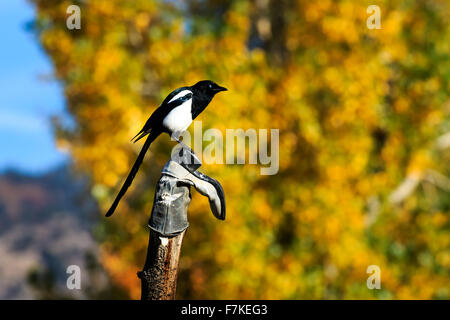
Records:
x=363, y=115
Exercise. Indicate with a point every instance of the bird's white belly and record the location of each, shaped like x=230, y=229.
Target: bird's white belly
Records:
x=180, y=118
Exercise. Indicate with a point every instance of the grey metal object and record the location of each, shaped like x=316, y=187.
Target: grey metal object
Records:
x=172, y=196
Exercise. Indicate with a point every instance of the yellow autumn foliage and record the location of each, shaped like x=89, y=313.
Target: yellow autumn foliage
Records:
x=359, y=112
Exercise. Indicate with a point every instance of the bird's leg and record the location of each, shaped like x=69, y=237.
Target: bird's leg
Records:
x=186, y=156
x=176, y=136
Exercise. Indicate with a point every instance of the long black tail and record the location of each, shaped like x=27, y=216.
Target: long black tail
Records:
x=152, y=136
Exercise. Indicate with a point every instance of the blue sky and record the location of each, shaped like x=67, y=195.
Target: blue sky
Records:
x=26, y=101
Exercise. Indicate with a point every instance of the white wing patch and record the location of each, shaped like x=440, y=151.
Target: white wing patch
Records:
x=180, y=94
x=180, y=118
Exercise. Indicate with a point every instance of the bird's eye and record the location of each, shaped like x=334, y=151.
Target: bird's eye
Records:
x=210, y=86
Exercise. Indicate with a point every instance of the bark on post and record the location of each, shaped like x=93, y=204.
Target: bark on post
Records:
x=159, y=276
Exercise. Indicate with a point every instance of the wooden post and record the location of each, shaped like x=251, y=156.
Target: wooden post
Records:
x=159, y=276
x=168, y=222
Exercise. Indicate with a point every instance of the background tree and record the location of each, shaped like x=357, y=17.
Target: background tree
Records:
x=363, y=118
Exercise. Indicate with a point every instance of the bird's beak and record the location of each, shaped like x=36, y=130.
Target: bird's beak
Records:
x=219, y=88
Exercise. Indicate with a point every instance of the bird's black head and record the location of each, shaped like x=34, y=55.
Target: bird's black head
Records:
x=207, y=88
x=203, y=92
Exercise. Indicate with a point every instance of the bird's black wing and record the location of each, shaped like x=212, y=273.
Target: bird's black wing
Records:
x=153, y=126
x=157, y=117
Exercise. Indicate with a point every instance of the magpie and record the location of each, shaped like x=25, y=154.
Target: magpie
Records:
x=173, y=117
